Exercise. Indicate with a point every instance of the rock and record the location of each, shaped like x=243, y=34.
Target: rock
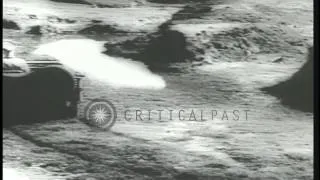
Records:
x=278, y=60
x=192, y=11
x=70, y=21
x=170, y=46
x=157, y=50
x=32, y=16
x=35, y=30
x=73, y=1
x=96, y=21
x=40, y=30
x=100, y=29
x=297, y=92
x=54, y=19
x=8, y=24
x=176, y=1
x=100, y=5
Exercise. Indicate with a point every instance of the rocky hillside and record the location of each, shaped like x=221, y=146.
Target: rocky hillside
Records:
x=177, y=31
x=57, y=18
x=297, y=92
x=212, y=31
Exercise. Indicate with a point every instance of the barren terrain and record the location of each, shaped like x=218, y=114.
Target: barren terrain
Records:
x=211, y=54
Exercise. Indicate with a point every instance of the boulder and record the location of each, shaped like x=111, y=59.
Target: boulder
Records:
x=40, y=30
x=99, y=29
x=8, y=24
x=73, y=1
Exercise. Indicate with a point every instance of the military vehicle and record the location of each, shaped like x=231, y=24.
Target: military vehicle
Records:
x=37, y=88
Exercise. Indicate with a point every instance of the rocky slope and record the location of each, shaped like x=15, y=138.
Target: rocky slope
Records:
x=297, y=91
x=206, y=31
x=217, y=31
x=65, y=17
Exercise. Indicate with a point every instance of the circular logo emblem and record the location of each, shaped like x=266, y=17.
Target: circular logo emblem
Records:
x=101, y=114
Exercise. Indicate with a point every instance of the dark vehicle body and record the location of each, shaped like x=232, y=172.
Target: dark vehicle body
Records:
x=48, y=91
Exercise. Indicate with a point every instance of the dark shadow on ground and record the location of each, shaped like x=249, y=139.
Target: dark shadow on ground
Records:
x=297, y=92
x=37, y=97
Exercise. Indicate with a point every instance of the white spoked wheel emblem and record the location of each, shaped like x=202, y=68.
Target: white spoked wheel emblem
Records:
x=101, y=114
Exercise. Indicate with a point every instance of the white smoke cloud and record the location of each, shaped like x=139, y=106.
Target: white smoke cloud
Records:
x=10, y=174
x=84, y=55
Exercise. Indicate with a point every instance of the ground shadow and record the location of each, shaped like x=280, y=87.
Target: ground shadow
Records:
x=37, y=97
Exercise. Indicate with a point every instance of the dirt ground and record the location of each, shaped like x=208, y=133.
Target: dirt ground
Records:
x=242, y=30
